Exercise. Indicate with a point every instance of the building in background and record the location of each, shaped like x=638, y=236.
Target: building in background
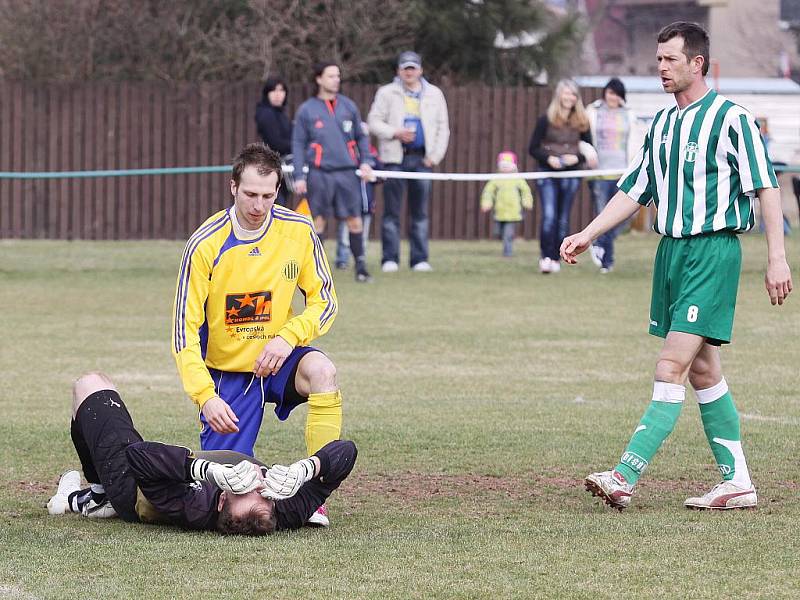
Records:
x=749, y=38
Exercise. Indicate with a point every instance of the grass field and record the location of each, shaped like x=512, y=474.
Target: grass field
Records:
x=479, y=396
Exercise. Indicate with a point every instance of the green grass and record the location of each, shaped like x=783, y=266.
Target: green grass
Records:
x=479, y=396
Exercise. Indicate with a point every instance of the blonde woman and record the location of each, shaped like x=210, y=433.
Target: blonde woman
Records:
x=555, y=145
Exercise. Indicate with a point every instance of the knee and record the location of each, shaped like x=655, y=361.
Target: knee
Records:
x=671, y=370
x=320, y=374
x=86, y=385
x=702, y=375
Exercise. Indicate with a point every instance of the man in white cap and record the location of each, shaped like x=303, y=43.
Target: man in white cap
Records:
x=409, y=118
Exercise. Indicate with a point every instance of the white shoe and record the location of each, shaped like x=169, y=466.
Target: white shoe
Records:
x=422, y=267
x=319, y=518
x=597, y=253
x=99, y=510
x=605, y=270
x=69, y=482
x=555, y=266
x=545, y=265
x=390, y=267
x=611, y=487
x=724, y=496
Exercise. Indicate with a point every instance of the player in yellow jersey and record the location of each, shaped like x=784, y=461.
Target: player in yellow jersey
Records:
x=235, y=339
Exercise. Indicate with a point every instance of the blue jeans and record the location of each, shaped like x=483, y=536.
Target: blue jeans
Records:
x=556, y=196
x=419, y=192
x=602, y=191
x=506, y=230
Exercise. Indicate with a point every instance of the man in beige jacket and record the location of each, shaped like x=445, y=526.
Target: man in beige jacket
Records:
x=409, y=118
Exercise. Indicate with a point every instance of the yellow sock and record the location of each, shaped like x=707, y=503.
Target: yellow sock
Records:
x=324, y=421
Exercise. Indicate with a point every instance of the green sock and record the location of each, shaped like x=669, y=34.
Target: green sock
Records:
x=721, y=424
x=657, y=423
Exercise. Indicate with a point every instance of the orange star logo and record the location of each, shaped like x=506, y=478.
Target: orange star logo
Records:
x=233, y=312
x=246, y=300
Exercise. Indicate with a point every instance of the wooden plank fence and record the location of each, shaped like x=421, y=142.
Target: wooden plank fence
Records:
x=90, y=126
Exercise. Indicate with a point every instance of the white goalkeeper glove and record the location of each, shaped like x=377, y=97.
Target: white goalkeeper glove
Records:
x=237, y=479
x=282, y=482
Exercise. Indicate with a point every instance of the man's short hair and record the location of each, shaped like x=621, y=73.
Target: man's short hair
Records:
x=260, y=156
x=260, y=520
x=695, y=40
x=320, y=67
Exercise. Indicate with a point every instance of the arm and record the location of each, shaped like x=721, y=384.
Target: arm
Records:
x=535, y=146
x=757, y=175
x=436, y=154
x=188, y=316
x=270, y=129
x=526, y=195
x=778, y=278
x=336, y=460
x=620, y=208
x=378, y=117
x=488, y=196
x=300, y=141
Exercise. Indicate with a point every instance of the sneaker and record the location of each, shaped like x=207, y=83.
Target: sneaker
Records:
x=597, y=253
x=59, y=504
x=611, y=487
x=545, y=265
x=362, y=275
x=390, y=266
x=604, y=270
x=555, y=266
x=319, y=518
x=341, y=266
x=723, y=496
x=422, y=267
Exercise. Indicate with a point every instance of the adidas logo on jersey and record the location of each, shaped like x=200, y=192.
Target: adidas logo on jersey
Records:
x=254, y=252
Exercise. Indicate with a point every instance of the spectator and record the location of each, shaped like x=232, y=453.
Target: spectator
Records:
x=555, y=145
x=328, y=138
x=409, y=118
x=275, y=128
x=611, y=123
x=507, y=197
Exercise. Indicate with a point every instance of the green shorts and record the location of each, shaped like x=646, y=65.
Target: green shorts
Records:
x=695, y=280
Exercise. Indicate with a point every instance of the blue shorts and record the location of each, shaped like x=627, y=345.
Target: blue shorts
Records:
x=246, y=395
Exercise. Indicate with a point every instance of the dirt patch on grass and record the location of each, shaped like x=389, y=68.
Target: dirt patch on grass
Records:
x=35, y=487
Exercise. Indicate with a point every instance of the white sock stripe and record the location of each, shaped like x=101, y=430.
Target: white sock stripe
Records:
x=715, y=392
x=668, y=392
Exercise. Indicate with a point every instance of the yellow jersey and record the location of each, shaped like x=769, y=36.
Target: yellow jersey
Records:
x=235, y=290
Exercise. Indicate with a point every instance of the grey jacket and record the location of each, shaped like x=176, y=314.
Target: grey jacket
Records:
x=388, y=112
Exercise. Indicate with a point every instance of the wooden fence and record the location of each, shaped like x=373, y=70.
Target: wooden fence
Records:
x=92, y=126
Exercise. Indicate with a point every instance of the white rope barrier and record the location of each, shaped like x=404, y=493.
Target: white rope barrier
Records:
x=487, y=176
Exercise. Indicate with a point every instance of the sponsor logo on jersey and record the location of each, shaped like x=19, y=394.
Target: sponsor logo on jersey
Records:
x=254, y=252
x=252, y=307
x=690, y=151
x=318, y=124
x=291, y=270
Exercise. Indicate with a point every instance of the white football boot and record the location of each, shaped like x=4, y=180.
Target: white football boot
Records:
x=59, y=504
x=611, y=487
x=725, y=496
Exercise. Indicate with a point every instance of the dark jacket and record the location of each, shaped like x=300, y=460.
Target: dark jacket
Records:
x=274, y=127
x=162, y=474
x=538, y=147
x=328, y=136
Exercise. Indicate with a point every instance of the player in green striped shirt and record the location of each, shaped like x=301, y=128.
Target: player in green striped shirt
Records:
x=702, y=163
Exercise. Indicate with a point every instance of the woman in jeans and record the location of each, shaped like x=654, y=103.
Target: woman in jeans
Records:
x=611, y=124
x=555, y=145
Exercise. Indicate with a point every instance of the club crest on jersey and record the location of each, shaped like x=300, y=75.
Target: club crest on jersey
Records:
x=347, y=126
x=291, y=270
x=254, y=252
x=318, y=124
x=690, y=151
x=252, y=307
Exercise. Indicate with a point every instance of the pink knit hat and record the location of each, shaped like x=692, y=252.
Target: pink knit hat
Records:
x=506, y=157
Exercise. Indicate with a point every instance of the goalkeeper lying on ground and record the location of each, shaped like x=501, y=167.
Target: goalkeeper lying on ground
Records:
x=152, y=482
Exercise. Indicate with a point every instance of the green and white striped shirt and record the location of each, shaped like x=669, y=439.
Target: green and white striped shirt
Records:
x=701, y=165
